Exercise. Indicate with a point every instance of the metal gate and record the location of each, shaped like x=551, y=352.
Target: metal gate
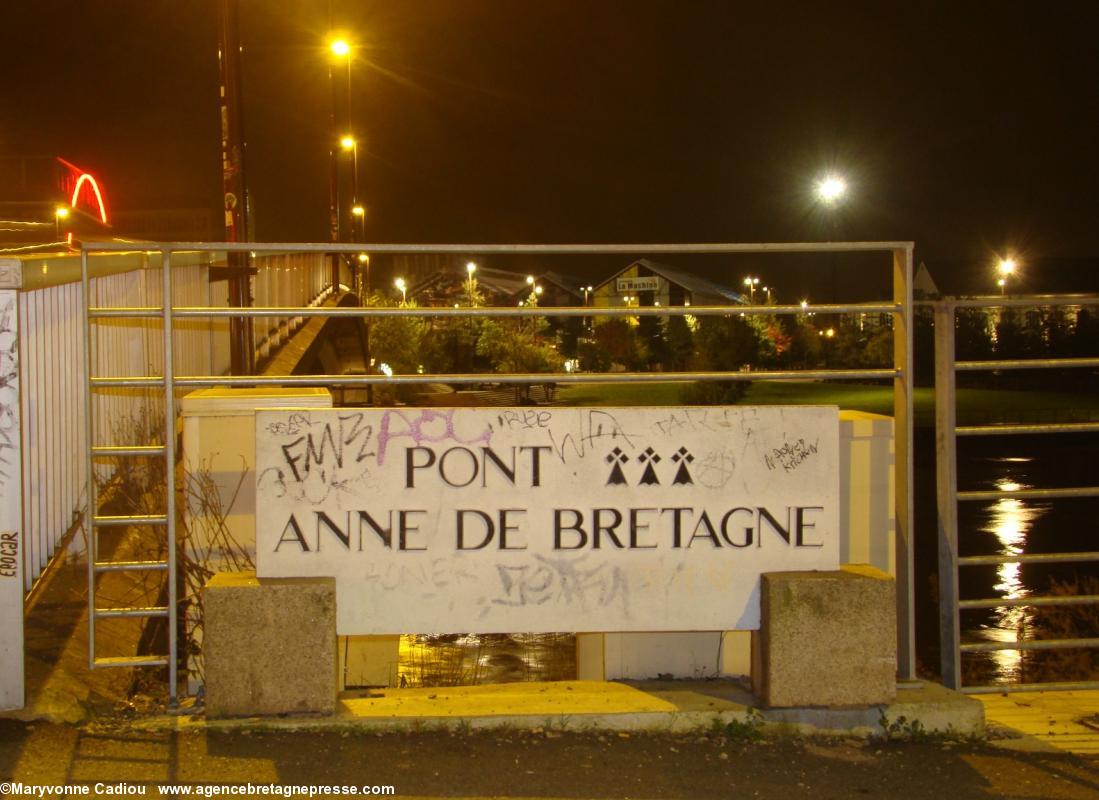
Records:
x=168, y=384
x=948, y=495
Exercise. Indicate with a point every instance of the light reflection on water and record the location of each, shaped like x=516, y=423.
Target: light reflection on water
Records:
x=1010, y=521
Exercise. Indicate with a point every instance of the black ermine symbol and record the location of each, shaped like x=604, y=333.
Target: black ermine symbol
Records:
x=650, y=459
x=617, y=458
x=683, y=458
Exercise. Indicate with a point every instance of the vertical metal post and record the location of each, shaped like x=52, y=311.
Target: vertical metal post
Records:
x=903, y=451
x=946, y=490
x=169, y=478
x=235, y=188
x=89, y=462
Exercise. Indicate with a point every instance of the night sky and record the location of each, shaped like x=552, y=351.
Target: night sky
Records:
x=971, y=128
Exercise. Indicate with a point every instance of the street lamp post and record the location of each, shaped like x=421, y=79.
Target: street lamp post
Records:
x=751, y=283
x=400, y=284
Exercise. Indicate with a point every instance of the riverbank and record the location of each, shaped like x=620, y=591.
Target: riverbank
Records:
x=975, y=406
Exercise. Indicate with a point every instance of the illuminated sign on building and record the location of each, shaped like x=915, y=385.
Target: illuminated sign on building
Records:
x=648, y=284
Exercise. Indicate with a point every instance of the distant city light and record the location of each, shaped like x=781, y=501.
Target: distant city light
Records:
x=831, y=188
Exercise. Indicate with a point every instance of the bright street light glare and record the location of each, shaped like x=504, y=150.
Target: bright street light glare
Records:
x=347, y=142
x=358, y=211
x=471, y=267
x=61, y=212
x=340, y=48
x=831, y=188
x=1007, y=266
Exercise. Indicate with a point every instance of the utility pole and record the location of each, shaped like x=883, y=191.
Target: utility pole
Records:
x=241, y=346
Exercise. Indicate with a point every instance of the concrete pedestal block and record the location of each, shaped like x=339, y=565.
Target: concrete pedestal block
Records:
x=270, y=645
x=827, y=638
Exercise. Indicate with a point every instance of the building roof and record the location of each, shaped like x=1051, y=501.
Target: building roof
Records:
x=692, y=283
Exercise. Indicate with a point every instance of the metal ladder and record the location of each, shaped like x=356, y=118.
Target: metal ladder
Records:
x=95, y=450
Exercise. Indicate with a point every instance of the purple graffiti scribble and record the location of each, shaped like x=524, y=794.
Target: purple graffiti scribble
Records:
x=414, y=425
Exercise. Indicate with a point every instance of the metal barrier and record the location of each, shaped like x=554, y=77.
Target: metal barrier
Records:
x=948, y=496
x=52, y=386
x=165, y=378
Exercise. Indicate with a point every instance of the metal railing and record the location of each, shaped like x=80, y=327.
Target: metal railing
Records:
x=169, y=381
x=53, y=375
x=52, y=384
x=948, y=497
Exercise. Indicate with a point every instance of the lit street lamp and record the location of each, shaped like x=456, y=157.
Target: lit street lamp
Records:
x=60, y=214
x=751, y=283
x=471, y=267
x=1006, y=268
x=831, y=189
x=400, y=284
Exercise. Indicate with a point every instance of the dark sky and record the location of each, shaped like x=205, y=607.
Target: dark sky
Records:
x=969, y=127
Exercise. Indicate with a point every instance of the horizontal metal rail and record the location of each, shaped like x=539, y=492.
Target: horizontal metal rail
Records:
x=1028, y=558
x=1031, y=494
x=142, y=382
x=128, y=613
x=1017, y=688
x=103, y=451
x=131, y=661
x=187, y=312
x=1035, y=644
x=1027, y=363
x=130, y=566
x=491, y=377
x=503, y=249
x=1022, y=430
x=133, y=519
x=1045, y=601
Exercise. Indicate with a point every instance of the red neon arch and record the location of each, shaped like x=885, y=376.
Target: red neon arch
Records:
x=87, y=177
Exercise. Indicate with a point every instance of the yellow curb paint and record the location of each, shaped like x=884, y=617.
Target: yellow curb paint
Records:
x=571, y=697
x=1053, y=718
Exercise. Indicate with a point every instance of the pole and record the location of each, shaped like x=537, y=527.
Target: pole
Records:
x=241, y=349
x=334, y=168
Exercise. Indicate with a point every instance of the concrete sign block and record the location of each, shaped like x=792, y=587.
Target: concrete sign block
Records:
x=535, y=519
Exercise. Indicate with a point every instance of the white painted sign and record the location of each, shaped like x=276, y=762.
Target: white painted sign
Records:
x=546, y=519
x=11, y=508
x=648, y=284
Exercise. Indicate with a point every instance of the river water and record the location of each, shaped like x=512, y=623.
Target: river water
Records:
x=1012, y=527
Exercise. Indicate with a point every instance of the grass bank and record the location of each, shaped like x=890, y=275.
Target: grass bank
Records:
x=975, y=406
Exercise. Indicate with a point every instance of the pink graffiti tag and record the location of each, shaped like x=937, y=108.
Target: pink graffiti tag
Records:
x=439, y=424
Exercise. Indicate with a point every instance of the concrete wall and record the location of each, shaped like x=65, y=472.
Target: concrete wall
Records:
x=219, y=437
